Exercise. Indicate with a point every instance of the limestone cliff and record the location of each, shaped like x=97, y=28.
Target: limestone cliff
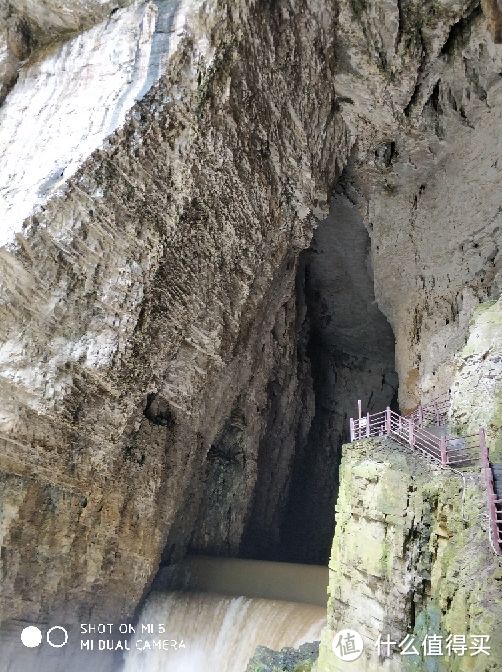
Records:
x=176, y=371
x=28, y=26
x=422, y=96
x=410, y=556
x=477, y=368
x=162, y=271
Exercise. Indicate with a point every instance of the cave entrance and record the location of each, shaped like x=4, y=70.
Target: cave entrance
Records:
x=350, y=345
x=337, y=347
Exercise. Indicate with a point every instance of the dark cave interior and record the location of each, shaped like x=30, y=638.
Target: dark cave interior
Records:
x=351, y=350
x=343, y=350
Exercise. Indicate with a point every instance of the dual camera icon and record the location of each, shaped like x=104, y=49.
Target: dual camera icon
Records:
x=57, y=636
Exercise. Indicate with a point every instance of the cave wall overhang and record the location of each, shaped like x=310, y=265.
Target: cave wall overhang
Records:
x=166, y=261
x=157, y=268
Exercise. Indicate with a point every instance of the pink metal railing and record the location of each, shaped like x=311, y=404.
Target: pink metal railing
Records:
x=433, y=413
x=494, y=504
x=452, y=452
x=447, y=450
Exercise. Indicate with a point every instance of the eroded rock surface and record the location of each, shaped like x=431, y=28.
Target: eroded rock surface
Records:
x=156, y=252
x=65, y=103
x=162, y=267
x=27, y=26
x=476, y=390
x=422, y=96
x=410, y=555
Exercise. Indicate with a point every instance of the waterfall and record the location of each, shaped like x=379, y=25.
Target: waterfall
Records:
x=219, y=633
x=194, y=631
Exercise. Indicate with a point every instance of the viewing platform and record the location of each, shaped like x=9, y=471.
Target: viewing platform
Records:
x=426, y=432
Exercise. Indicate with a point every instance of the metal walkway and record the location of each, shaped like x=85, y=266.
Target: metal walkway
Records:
x=426, y=431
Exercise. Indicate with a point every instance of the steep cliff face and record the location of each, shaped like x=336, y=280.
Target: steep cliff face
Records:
x=85, y=86
x=422, y=95
x=249, y=464
x=174, y=372
x=477, y=372
x=27, y=26
x=160, y=268
x=410, y=556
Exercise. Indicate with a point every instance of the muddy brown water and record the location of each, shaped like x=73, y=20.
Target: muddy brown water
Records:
x=228, y=608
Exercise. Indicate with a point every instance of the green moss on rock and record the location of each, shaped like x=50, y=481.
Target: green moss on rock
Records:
x=477, y=387
x=410, y=556
x=286, y=660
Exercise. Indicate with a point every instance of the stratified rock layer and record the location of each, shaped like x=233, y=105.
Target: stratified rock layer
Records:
x=155, y=382
x=27, y=26
x=164, y=267
x=86, y=87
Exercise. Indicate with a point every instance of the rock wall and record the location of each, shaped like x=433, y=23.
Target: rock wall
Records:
x=249, y=465
x=28, y=26
x=157, y=380
x=477, y=388
x=287, y=660
x=86, y=86
x=161, y=267
x=410, y=556
x=421, y=91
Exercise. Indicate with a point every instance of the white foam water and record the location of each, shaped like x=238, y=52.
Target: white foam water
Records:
x=219, y=633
